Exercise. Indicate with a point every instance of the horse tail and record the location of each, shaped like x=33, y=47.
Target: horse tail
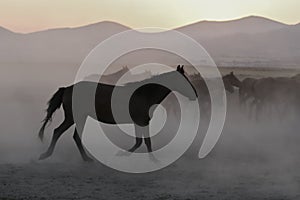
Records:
x=53, y=104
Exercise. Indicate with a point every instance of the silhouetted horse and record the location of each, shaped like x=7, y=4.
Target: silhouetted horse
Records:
x=139, y=76
x=132, y=105
x=204, y=94
x=246, y=90
x=232, y=79
x=276, y=93
x=269, y=94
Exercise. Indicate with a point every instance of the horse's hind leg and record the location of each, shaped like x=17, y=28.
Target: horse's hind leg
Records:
x=253, y=108
x=67, y=123
x=78, y=142
x=259, y=111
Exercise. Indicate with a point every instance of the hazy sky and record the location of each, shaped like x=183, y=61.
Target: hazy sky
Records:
x=32, y=15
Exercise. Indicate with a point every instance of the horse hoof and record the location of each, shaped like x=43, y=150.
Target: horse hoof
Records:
x=153, y=159
x=44, y=156
x=88, y=159
x=123, y=153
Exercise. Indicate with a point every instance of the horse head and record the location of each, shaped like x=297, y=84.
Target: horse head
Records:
x=232, y=79
x=228, y=86
x=189, y=92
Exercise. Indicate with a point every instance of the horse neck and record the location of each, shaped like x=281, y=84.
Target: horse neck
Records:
x=158, y=92
x=161, y=93
x=239, y=83
x=154, y=93
x=236, y=82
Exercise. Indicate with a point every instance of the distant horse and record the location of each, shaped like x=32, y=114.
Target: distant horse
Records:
x=232, y=80
x=203, y=92
x=269, y=94
x=278, y=93
x=147, y=94
x=228, y=80
x=257, y=93
x=296, y=77
x=246, y=90
x=109, y=78
x=116, y=78
x=137, y=77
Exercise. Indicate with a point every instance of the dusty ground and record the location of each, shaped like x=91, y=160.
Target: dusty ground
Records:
x=201, y=179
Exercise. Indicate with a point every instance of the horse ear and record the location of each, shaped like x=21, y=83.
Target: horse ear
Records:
x=178, y=68
x=182, y=70
x=231, y=73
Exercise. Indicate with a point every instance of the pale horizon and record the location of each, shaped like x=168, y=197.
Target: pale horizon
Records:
x=82, y=25
x=33, y=15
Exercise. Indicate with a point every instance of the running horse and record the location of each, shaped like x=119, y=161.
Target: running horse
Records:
x=134, y=107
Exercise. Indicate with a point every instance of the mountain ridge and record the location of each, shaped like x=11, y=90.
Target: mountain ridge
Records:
x=247, y=41
x=179, y=27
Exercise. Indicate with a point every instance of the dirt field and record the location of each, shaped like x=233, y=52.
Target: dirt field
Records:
x=183, y=180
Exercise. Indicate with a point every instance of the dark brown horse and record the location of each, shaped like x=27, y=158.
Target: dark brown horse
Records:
x=131, y=105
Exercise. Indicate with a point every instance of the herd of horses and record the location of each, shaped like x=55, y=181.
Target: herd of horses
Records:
x=275, y=94
x=137, y=98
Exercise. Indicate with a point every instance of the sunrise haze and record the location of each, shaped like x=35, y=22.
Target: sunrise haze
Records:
x=34, y=15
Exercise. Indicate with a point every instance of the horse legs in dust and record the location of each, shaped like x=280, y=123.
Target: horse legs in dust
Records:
x=242, y=101
x=80, y=122
x=78, y=142
x=252, y=108
x=255, y=107
x=138, y=138
x=259, y=111
x=147, y=139
x=143, y=132
x=67, y=123
x=282, y=110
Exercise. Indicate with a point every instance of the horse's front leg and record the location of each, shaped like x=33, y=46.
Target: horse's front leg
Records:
x=146, y=133
x=147, y=138
x=138, y=138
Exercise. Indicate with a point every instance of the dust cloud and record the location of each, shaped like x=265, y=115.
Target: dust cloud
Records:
x=254, y=157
